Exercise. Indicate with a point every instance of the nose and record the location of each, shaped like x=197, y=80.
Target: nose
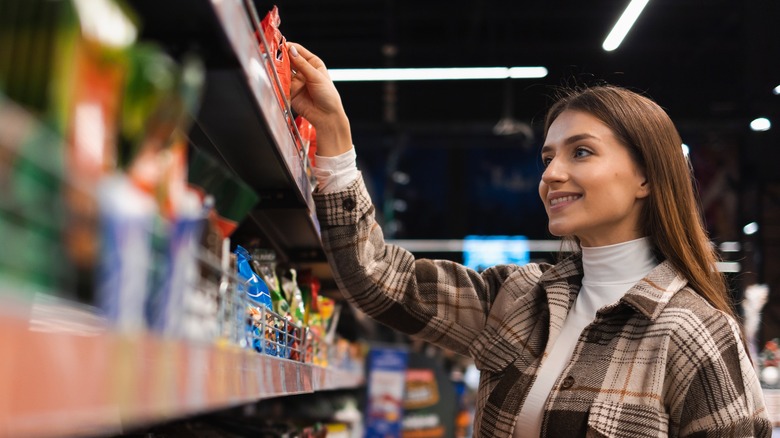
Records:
x=554, y=172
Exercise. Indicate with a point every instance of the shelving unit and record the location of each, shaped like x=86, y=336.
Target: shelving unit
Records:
x=65, y=371
x=240, y=121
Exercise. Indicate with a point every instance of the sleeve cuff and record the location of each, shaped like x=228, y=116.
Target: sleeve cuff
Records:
x=344, y=207
x=334, y=174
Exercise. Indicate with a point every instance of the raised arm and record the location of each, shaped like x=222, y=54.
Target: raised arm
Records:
x=439, y=301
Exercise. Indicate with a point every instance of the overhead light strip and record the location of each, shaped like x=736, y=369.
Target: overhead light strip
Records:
x=435, y=74
x=624, y=24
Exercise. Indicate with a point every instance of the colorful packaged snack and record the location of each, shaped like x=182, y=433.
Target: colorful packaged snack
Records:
x=278, y=54
x=264, y=263
x=310, y=289
x=294, y=296
x=260, y=322
x=307, y=146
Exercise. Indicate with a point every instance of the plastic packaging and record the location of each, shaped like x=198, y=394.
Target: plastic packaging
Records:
x=260, y=326
x=278, y=53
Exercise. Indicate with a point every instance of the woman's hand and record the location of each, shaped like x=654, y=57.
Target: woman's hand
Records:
x=314, y=97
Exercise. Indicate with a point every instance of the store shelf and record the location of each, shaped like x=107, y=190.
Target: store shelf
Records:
x=240, y=121
x=65, y=372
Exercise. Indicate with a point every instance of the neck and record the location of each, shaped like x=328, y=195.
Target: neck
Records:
x=626, y=262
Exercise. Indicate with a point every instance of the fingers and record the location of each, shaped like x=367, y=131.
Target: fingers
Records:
x=297, y=49
x=306, y=62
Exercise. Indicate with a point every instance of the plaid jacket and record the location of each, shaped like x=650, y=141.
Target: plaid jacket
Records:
x=660, y=362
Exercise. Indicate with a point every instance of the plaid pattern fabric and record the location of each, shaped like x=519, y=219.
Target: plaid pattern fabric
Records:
x=660, y=362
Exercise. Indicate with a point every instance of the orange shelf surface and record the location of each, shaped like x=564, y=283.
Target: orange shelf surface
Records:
x=63, y=374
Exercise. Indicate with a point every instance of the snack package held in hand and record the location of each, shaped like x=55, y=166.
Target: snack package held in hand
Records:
x=278, y=53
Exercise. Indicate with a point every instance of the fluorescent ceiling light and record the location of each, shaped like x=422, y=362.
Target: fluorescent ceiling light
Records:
x=624, y=24
x=776, y=90
x=434, y=74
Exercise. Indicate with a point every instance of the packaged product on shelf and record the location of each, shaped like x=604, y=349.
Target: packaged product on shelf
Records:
x=200, y=306
x=232, y=308
x=264, y=263
x=127, y=217
x=318, y=314
x=174, y=301
x=310, y=290
x=31, y=209
x=27, y=50
x=233, y=198
x=167, y=119
x=288, y=331
x=294, y=296
x=277, y=54
x=150, y=108
x=308, y=138
x=90, y=67
x=307, y=145
x=296, y=314
x=261, y=331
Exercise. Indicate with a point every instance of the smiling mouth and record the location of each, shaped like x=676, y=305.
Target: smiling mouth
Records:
x=556, y=201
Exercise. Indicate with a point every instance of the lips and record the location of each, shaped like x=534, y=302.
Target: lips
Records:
x=561, y=199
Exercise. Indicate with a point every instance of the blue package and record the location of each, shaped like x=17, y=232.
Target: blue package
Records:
x=259, y=294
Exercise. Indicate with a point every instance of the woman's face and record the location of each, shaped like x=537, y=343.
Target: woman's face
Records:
x=591, y=187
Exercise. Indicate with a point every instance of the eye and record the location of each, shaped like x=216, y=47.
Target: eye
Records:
x=582, y=152
x=546, y=161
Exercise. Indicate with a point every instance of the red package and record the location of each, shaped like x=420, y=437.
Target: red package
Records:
x=280, y=57
x=308, y=137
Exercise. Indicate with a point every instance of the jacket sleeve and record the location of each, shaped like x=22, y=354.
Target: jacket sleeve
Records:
x=723, y=396
x=439, y=301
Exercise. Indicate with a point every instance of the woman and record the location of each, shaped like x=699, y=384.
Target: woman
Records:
x=631, y=336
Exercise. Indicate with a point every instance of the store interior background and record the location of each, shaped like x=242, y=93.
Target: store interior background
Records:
x=446, y=159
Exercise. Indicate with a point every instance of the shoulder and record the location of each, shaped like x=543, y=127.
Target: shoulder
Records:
x=699, y=331
x=692, y=313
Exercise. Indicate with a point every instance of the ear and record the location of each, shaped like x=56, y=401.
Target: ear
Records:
x=644, y=189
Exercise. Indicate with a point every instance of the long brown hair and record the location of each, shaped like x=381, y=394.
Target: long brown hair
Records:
x=670, y=216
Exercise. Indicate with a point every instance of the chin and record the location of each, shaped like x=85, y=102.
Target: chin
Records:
x=559, y=231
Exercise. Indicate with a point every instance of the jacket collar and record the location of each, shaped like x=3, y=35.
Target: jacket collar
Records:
x=648, y=297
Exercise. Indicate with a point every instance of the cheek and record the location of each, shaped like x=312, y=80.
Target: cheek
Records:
x=542, y=191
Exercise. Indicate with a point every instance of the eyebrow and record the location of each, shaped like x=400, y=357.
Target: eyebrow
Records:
x=573, y=139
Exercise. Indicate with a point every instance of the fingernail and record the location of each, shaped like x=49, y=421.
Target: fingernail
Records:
x=293, y=51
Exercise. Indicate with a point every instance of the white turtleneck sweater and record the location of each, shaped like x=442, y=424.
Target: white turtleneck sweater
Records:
x=609, y=272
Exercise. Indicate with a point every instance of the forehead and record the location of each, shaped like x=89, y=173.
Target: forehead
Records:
x=573, y=124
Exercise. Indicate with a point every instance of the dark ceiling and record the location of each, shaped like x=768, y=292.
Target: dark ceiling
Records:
x=709, y=62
